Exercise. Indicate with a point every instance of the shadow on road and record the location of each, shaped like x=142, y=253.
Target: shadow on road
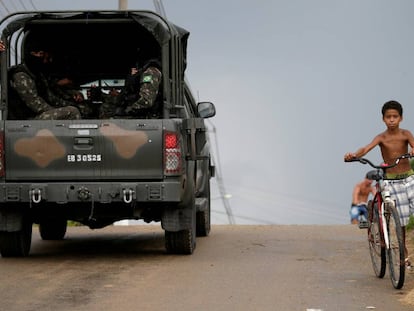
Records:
x=87, y=243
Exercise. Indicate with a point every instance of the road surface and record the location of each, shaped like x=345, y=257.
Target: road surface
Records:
x=235, y=268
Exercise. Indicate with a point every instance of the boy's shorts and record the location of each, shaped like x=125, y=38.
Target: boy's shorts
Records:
x=359, y=209
x=402, y=191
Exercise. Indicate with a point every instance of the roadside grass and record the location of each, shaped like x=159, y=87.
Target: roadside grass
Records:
x=410, y=233
x=410, y=225
x=410, y=230
x=72, y=223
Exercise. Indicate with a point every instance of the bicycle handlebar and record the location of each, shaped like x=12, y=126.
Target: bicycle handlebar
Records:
x=383, y=166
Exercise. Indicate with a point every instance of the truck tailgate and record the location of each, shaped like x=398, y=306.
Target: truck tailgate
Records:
x=83, y=150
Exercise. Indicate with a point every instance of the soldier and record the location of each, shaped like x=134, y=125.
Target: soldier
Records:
x=140, y=92
x=30, y=82
x=149, y=83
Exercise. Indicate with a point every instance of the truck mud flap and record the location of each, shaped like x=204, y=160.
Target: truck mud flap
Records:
x=196, y=133
x=177, y=219
x=11, y=221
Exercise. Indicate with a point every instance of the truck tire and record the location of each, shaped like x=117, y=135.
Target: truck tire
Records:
x=180, y=242
x=53, y=229
x=17, y=243
x=204, y=217
x=184, y=241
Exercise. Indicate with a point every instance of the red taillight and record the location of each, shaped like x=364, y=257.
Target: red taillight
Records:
x=171, y=140
x=172, y=153
x=2, y=154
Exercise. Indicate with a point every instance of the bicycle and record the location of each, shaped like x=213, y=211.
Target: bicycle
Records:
x=385, y=235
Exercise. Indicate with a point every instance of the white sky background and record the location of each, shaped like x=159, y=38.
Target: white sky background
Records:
x=296, y=84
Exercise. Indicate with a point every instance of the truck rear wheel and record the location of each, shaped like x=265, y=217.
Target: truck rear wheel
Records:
x=180, y=242
x=184, y=241
x=17, y=243
x=53, y=229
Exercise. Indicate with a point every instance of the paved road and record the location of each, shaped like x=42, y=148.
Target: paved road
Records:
x=235, y=268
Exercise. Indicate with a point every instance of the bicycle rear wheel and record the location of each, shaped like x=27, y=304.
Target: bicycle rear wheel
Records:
x=395, y=252
x=375, y=241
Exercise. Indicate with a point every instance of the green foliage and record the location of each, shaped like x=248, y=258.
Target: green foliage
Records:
x=410, y=225
x=74, y=223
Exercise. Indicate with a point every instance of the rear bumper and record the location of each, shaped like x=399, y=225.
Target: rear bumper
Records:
x=103, y=192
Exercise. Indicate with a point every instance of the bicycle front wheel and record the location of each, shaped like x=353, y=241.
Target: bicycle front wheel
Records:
x=395, y=252
x=375, y=241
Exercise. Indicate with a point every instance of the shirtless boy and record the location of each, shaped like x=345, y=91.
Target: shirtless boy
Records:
x=394, y=142
x=360, y=195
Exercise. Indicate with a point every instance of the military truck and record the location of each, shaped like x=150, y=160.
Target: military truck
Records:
x=156, y=167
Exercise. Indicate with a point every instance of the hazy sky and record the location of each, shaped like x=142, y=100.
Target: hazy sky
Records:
x=296, y=84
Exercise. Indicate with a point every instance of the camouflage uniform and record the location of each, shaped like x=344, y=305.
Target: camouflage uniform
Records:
x=150, y=83
x=134, y=97
x=35, y=93
x=109, y=106
x=67, y=94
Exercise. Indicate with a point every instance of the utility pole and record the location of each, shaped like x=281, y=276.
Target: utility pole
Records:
x=123, y=5
x=159, y=8
x=223, y=194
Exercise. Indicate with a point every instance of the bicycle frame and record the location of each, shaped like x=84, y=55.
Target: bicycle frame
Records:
x=385, y=234
x=381, y=196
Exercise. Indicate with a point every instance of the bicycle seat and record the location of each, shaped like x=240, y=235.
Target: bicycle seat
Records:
x=375, y=175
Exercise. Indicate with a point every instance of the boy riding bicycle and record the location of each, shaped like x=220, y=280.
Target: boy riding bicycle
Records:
x=394, y=142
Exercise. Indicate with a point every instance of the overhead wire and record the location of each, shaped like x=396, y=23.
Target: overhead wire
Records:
x=5, y=7
x=22, y=3
x=219, y=178
x=34, y=7
x=159, y=7
x=10, y=6
x=14, y=6
x=248, y=218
